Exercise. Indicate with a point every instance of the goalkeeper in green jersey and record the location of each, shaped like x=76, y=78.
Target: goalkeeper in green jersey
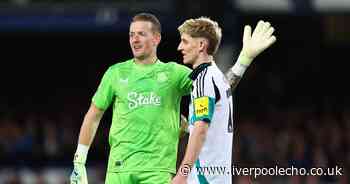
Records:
x=146, y=95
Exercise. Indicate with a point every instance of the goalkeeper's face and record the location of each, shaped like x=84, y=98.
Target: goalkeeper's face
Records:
x=143, y=41
x=190, y=48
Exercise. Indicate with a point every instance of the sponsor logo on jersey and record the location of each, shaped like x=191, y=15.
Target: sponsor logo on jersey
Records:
x=137, y=99
x=201, y=106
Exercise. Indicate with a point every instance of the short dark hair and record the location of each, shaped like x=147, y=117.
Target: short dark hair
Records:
x=156, y=26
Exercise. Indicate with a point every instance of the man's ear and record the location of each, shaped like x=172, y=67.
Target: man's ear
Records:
x=203, y=45
x=157, y=38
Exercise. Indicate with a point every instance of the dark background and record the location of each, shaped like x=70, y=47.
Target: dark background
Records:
x=291, y=107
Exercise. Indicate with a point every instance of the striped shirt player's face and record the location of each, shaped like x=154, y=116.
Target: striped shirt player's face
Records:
x=190, y=48
x=143, y=41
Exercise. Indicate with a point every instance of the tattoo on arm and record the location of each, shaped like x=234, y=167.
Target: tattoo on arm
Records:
x=233, y=79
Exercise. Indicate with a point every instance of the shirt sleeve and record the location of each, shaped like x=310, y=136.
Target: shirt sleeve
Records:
x=184, y=82
x=104, y=94
x=203, y=95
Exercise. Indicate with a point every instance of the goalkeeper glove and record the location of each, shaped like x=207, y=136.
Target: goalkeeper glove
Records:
x=253, y=44
x=79, y=175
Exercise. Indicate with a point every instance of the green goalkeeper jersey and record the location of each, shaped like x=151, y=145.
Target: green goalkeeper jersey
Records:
x=146, y=100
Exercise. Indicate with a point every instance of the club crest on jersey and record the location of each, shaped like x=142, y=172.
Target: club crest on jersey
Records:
x=201, y=106
x=162, y=77
x=124, y=81
x=137, y=99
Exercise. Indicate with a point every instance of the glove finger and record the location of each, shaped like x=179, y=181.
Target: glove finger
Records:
x=247, y=33
x=271, y=41
x=258, y=28
x=266, y=27
x=269, y=32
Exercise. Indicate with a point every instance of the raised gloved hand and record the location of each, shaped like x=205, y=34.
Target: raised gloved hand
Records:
x=256, y=42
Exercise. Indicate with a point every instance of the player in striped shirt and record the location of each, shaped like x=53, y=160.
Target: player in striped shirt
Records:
x=210, y=116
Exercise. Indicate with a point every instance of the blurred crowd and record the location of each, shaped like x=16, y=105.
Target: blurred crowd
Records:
x=37, y=144
x=300, y=137
x=38, y=147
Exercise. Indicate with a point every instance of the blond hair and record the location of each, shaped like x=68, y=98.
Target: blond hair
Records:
x=203, y=27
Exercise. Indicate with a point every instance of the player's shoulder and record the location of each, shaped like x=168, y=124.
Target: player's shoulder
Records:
x=116, y=68
x=121, y=64
x=167, y=63
x=173, y=66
